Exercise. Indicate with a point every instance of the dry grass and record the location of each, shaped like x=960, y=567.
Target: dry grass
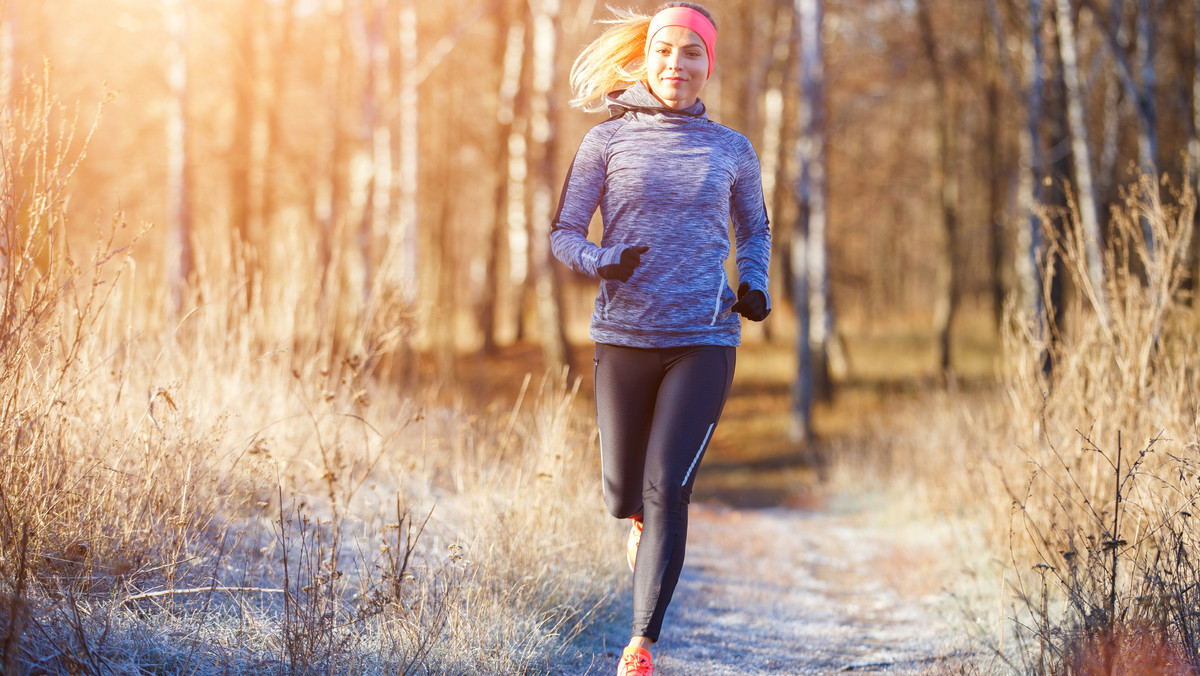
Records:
x=1077, y=488
x=198, y=494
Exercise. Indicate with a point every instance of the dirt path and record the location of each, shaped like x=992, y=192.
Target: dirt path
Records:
x=783, y=591
x=810, y=593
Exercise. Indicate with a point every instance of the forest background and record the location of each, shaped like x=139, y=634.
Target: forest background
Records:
x=268, y=211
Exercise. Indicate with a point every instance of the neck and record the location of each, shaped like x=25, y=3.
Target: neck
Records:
x=673, y=105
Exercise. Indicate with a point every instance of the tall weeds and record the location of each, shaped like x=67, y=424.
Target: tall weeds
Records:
x=1080, y=484
x=1104, y=512
x=199, y=494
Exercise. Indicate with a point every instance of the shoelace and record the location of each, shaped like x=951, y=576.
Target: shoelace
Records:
x=633, y=664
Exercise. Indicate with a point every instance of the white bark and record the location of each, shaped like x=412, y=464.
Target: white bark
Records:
x=180, y=257
x=407, y=127
x=1142, y=92
x=1029, y=193
x=1144, y=58
x=543, y=136
x=946, y=177
x=326, y=194
x=811, y=294
x=1082, y=158
x=497, y=298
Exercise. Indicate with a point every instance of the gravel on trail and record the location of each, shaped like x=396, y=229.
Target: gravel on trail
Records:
x=787, y=591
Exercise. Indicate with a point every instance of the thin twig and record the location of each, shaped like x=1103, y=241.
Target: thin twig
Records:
x=196, y=590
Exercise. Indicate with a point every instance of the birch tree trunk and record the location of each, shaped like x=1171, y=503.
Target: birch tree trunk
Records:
x=518, y=181
x=1089, y=215
x=1148, y=129
x=946, y=177
x=1147, y=35
x=329, y=196
x=272, y=164
x=245, y=105
x=810, y=281
x=1029, y=191
x=376, y=223
x=180, y=258
x=408, y=133
x=780, y=78
x=544, y=136
x=361, y=187
x=1029, y=245
x=1140, y=81
x=512, y=30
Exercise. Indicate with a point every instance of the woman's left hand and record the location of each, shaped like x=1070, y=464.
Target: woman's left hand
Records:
x=751, y=303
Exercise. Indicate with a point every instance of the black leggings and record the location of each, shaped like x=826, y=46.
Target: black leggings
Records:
x=657, y=409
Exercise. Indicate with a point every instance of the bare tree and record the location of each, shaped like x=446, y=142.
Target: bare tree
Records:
x=995, y=193
x=780, y=80
x=946, y=178
x=1030, y=245
x=243, y=254
x=329, y=179
x=544, y=137
x=517, y=172
x=281, y=53
x=1139, y=78
x=1081, y=155
x=408, y=135
x=511, y=31
x=810, y=290
x=180, y=256
x=1147, y=37
x=371, y=170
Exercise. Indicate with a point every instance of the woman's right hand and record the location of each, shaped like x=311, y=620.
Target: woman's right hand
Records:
x=623, y=264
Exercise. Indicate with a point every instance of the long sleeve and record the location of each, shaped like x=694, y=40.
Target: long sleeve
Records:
x=752, y=231
x=581, y=194
x=670, y=183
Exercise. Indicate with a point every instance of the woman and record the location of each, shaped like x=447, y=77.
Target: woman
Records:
x=667, y=182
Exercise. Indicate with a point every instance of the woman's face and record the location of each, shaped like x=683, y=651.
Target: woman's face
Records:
x=677, y=66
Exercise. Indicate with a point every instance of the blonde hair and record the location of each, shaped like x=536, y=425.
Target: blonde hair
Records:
x=616, y=59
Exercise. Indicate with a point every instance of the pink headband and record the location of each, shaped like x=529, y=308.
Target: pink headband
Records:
x=690, y=19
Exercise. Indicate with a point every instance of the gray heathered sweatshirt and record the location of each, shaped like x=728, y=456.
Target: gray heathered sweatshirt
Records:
x=672, y=181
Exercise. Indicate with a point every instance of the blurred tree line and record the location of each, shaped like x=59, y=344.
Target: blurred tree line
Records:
x=383, y=172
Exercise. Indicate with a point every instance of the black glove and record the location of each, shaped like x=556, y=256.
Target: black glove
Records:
x=621, y=270
x=751, y=303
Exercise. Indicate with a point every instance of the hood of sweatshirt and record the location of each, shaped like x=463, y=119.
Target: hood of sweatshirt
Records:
x=638, y=99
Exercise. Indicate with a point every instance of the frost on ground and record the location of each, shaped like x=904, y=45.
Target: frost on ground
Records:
x=783, y=591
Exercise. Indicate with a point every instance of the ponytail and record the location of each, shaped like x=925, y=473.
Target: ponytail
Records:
x=615, y=60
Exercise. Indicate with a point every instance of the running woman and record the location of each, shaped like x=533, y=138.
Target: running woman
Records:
x=668, y=182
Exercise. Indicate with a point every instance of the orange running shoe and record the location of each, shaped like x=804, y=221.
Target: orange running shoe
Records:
x=635, y=662
x=635, y=537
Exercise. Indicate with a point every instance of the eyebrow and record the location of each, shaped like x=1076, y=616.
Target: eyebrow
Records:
x=697, y=45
